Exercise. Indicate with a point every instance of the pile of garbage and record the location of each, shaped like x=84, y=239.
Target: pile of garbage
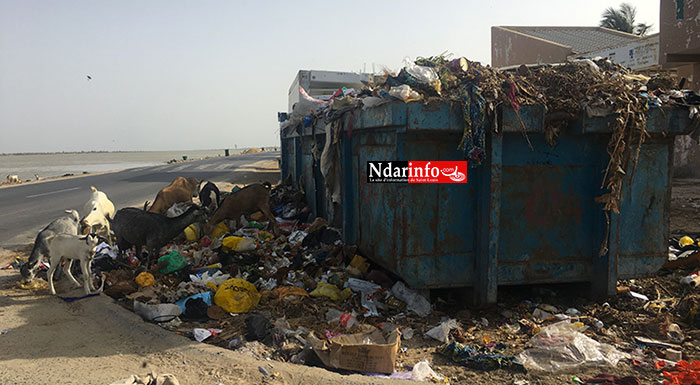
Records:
x=300, y=292
x=305, y=297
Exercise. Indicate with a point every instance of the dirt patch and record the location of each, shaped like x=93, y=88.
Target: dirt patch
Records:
x=685, y=206
x=49, y=341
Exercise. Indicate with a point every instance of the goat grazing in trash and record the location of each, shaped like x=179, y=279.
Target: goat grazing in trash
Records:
x=97, y=212
x=71, y=247
x=135, y=227
x=246, y=201
x=179, y=190
x=67, y=224
x=210, y=196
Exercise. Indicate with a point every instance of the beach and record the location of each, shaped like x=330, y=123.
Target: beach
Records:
x=48, y=165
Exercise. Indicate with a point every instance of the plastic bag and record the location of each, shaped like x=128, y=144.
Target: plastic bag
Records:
x=360, y=263
x=442, y=331
x=424, y=75
x=297, y=236
x=561, y=347
x=239, y=244
x=331, y=291
x=177, y=209
x=205, y=279
x=423, y=372
x=206, y=297
x=201, y=334
x=175, y=261
x=307, y=104
x=346, y=320
x=368, y=291
x=237, y=296
x=218, y=231
x=686, y=241
x=405, y=93
x=162, y=312
x=145, y=279
x=415, y=302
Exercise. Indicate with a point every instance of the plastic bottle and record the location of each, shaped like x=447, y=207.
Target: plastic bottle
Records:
x=133, y=260
x=345, y=320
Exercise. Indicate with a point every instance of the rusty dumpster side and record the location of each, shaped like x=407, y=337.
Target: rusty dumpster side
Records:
x=527, y=214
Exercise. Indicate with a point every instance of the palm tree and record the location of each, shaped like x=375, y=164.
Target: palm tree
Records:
x=623, y=20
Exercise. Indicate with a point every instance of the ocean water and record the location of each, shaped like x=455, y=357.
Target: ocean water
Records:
x=57, y=164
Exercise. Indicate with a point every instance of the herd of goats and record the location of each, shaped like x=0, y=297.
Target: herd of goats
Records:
x=75, y=237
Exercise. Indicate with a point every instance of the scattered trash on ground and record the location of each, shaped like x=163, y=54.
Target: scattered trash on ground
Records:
x=278, y=284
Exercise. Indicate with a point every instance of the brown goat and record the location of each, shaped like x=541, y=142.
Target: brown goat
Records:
x=180, y=190
x=244, y=202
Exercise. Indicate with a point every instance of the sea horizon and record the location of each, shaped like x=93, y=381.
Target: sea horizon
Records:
x=125, y=151
x=27, y=166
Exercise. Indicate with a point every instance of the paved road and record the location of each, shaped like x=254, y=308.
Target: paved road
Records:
x=26, y=209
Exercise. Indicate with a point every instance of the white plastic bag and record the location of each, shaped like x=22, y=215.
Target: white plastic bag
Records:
x=201, y=334
x=442, y=331
x=307, y=104
x=423, y=372
x=424, y=75
x=415, y=302
x=162, y=312
x=404, y=93
x=561, y=346
x=217, y=278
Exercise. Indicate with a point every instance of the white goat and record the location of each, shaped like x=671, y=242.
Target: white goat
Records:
x=97, y=212
x=71, y=247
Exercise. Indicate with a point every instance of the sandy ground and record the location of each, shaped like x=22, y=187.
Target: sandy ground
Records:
x=93, y=341
x=96, y=341
x=685, y=206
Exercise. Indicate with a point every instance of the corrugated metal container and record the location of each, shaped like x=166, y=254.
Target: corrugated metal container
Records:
x=526, y=215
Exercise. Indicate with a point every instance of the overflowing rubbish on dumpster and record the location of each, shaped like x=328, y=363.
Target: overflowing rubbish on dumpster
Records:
x=594, y=88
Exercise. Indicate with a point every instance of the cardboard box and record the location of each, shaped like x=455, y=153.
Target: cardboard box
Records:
x=369, y=351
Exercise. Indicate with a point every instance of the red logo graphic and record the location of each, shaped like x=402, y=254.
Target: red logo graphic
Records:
x=437, y=171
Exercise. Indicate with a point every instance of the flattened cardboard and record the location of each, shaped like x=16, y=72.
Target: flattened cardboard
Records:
x=362, y=352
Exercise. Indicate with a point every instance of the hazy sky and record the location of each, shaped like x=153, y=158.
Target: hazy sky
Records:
x=174, y=75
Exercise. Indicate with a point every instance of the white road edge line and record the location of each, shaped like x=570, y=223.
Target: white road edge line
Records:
x=53, y=192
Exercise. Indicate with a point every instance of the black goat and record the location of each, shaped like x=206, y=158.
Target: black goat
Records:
x=135, y=227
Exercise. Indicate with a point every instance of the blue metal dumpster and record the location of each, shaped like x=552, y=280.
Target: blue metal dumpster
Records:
x=527, y=215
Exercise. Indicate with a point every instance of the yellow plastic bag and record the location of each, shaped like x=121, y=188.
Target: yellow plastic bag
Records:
x=685, y=241
x=238, y=244
x=219, y=230
x=145, y=279
x=360, y=263
x=331, y=291
x=236, y=296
